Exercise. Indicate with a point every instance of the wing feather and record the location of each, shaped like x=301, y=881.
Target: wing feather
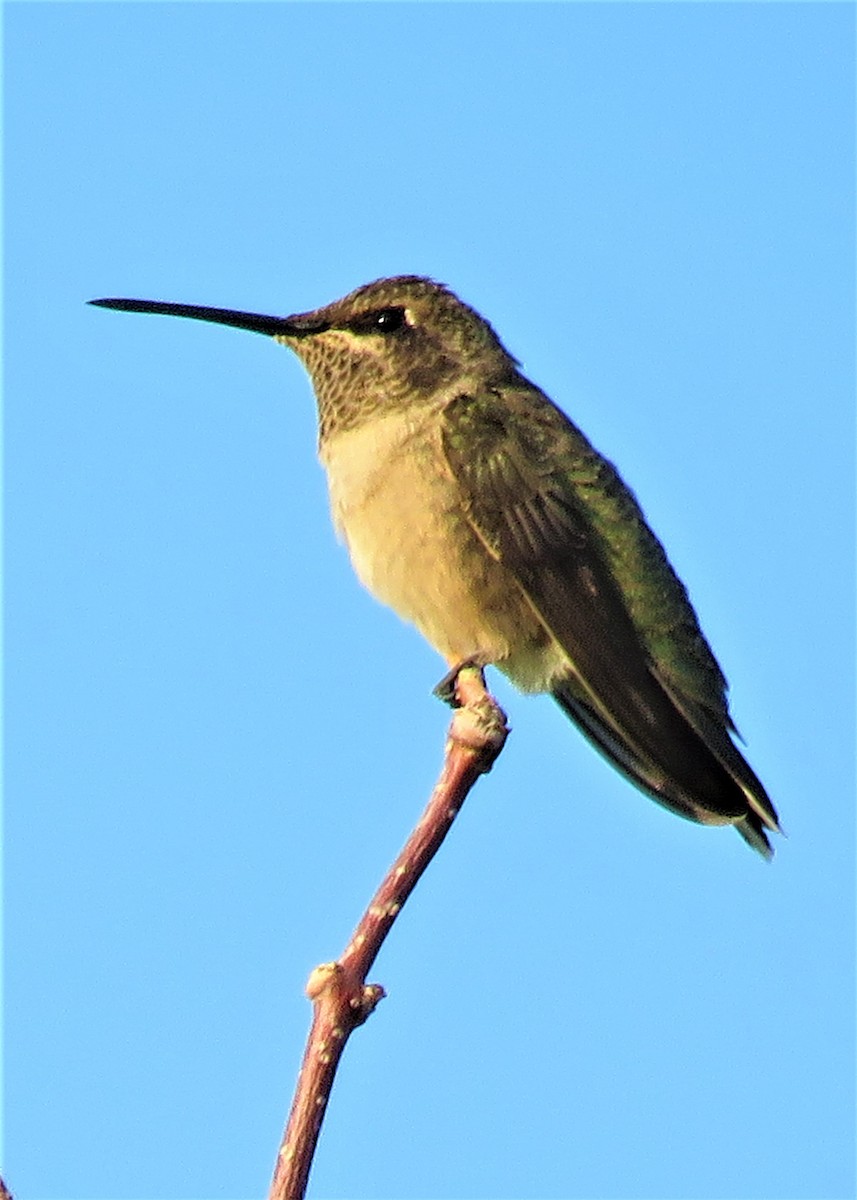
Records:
x=642, y=683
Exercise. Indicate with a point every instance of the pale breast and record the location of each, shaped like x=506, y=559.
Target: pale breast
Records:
x=399, y=511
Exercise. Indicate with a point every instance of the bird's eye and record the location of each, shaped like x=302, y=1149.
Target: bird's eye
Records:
x=380, y=320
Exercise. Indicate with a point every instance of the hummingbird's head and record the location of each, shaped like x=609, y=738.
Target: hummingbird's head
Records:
x=389, y=345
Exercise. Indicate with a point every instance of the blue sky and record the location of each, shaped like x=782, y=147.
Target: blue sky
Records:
x=216, y=740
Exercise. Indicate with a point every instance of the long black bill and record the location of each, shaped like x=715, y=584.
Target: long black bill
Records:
x=255, y=322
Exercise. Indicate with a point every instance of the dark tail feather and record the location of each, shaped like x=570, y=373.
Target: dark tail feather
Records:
x=753, y=832
x=681, y=769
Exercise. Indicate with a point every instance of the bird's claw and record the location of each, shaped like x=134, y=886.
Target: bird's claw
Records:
x=447, y=689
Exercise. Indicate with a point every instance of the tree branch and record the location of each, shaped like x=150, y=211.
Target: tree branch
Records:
x=342, y=1000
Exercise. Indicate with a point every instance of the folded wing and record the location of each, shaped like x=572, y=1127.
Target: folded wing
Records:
x=641, y=683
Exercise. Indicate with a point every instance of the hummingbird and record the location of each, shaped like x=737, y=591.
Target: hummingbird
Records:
x=472, y=506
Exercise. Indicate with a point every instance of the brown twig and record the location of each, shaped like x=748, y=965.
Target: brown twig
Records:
x=341, y=998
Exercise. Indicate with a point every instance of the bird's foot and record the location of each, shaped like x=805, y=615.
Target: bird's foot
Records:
x=449, y=690
x=479, y=723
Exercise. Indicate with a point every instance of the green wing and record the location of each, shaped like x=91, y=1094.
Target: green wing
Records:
x=641, y=682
